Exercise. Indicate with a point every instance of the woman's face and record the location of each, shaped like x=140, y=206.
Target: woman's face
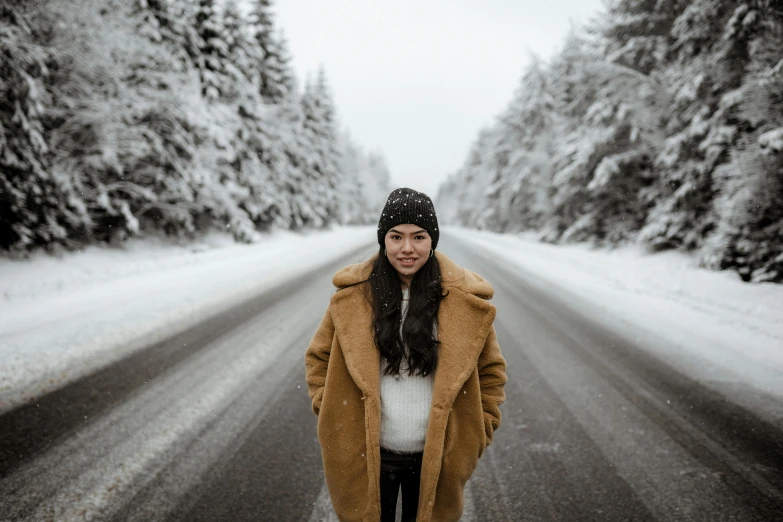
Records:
x=408, y=248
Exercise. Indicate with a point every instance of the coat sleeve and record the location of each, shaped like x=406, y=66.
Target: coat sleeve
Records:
x=492, y=379
x=317, y=360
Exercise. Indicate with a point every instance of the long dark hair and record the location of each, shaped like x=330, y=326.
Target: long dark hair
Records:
x=385, y=296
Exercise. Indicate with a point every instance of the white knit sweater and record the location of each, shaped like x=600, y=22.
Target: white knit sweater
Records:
x=405, y=404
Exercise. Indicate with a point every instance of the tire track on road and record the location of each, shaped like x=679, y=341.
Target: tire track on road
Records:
x=742, y=449
x=276, y=473
x=98, y=470
x=30, y=429
x=542, y=464
x=175, y=490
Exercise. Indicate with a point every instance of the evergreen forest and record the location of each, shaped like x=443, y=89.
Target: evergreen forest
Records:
x=123, y=118
x=660, y=122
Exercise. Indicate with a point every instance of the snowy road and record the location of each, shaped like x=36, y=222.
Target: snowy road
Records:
x=215, y=424
x=595, y=429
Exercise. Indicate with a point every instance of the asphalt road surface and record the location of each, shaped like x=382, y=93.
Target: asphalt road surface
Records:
x=214, y=424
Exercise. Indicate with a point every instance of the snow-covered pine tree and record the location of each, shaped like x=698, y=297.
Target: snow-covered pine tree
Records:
x=213, y=49
x=461, y=197
x=636, y=32
x=377, y=184
x=351, y=206
x=683, y=192
x=364, y=183
x=213, y=128
x=171, y=22
x=749, y=209
x=609, y=126
x=711, y=54
x=322, y=154
x=126, y=132
x=521, y=149
x=38, y=203
x=286, y=77
x=242, y=51
x=329, y=145
x=273, y=64
x=241, y=111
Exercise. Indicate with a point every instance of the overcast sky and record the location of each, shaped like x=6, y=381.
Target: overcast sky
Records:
x=417, y=80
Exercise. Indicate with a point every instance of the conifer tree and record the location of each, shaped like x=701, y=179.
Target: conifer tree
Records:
x=749, y=209
x=38, y=206
x=609, y=127
x=241, y=50
x=274, y=69
x=287, y=78
x=637, y=31
x=326, y=140
x=313, y=165
x=213, y=49
x=171, y=22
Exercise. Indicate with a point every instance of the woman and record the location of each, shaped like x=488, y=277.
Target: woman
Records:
x=405, y=374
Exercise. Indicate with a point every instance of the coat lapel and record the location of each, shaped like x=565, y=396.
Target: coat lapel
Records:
x=352, y=317
x=464, y=321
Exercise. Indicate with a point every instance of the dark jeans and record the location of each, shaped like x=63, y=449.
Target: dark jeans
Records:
x=400, y=471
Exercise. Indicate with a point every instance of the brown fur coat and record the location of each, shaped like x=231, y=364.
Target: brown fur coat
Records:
x=343, y=377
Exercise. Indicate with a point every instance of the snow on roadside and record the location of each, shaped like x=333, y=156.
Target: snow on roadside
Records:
x=726, y=333
x=64, y=318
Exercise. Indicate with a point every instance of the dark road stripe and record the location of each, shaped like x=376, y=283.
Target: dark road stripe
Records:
x=542, y=464
x=276, y=474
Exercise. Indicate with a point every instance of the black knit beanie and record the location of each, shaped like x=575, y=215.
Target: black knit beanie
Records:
x=406, y=206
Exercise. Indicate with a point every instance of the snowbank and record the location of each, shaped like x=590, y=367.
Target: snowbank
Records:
x=61, y=318
x=726, y=333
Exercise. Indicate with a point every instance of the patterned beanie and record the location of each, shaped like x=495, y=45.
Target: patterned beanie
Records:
x=406, y=206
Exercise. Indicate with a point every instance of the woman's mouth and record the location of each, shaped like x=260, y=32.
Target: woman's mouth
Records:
x=407, y=261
